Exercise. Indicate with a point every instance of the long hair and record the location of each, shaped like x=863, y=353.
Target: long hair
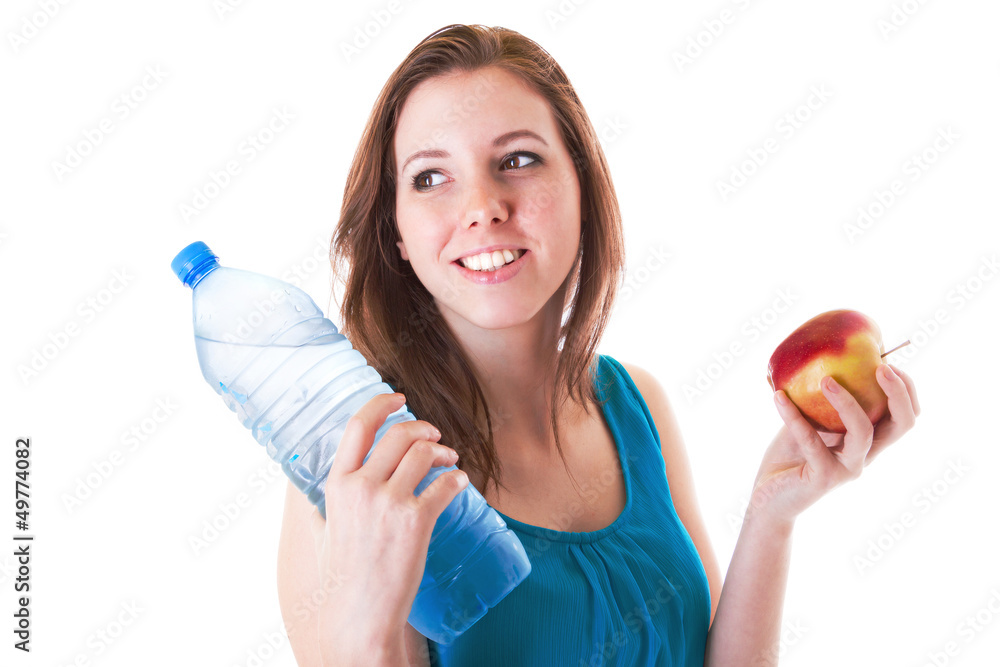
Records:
x=391, y=318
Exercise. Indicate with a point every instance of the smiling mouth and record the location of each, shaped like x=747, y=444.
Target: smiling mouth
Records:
x=487, y=262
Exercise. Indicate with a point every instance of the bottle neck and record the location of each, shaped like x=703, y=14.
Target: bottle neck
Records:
x=197, y=274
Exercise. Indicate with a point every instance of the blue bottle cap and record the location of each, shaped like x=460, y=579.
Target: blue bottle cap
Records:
x=194, y=262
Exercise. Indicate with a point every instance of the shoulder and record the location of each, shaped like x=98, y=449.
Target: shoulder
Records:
x=657, y=402
x=646, y=383
x=664, y=420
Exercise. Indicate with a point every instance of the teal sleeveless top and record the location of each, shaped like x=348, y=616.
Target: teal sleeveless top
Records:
x=631, y=594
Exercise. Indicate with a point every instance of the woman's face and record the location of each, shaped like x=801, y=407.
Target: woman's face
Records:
x=472, y=185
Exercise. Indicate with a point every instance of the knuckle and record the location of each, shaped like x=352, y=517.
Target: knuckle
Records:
x=356, y=421
x=410, y=428
x=422, y=448
x=801, y=429
x=415, y=429
x=428, y=430
x=406, y=517
x=415, y=521
x=868, y=431
x=365, y=488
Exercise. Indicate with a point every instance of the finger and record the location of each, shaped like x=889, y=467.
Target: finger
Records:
x=359, y=433
x=911, y=389
x=858, y=439
x=903, y=411
x=900, y=406
x=885, y=435
x=442, y=491
x=417, y=463
x=812, y=446
x=392, y=449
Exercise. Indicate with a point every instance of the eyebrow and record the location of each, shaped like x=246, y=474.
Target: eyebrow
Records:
x=505, y=138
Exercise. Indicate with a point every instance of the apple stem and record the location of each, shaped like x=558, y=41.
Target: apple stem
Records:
x=895, y=348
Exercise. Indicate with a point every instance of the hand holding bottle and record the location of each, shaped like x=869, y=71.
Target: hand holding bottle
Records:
x=294, y=380
x=372, y=548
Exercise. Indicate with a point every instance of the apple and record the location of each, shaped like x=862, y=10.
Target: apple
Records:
x=843, y=344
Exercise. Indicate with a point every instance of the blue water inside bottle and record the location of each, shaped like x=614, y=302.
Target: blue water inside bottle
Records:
x=294, y=381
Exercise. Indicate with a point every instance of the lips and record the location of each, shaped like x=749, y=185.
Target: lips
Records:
x=504, y=273
x=491, y=261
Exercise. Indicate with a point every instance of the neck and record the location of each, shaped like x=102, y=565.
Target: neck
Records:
x=516, y=368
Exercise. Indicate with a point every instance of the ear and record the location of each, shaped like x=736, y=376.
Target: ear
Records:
x=402, y=251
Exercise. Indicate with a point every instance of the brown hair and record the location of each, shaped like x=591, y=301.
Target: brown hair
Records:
x=387, y=313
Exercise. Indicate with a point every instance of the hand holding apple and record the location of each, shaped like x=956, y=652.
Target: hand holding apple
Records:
x=830, y=432
x=843, y=344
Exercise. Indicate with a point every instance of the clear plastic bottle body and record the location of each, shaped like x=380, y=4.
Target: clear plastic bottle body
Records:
x=294, y=381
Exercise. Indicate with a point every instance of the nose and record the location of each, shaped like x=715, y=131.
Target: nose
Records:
x=485, y=203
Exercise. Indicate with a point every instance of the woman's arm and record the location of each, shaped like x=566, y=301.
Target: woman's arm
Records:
x=298, y=580
x=799, y=467
x=747, y=625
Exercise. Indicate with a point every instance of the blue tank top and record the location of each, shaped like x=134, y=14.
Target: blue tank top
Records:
x=633, y=593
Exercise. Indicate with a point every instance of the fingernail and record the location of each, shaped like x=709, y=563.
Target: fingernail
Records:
x=832, y=386
x=780, y=397
x=887, y=371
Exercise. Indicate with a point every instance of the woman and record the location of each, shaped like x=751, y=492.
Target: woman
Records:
x=479, y=153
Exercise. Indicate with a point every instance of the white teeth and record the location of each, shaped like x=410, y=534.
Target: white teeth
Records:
x=490, y=261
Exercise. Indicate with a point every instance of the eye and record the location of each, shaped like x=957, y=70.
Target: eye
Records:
x=424, y=180
x=516, y=160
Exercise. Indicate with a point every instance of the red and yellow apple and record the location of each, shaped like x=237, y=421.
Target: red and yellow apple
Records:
x=843, y=344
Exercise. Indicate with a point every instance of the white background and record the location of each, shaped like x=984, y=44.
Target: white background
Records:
x=672, y=131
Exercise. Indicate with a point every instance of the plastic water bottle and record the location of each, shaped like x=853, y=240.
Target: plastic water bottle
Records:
x=294, y=381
